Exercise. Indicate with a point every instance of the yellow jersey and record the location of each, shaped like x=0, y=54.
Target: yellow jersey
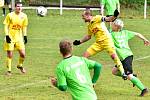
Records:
x=15, y=24
x=97, y=28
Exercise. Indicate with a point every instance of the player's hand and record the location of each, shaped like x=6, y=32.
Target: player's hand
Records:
x=116, y=13
x=53, y=81
x=76, y=42
x=124, y=76
x=25, y=39
x=146, y=42
x=8, y=40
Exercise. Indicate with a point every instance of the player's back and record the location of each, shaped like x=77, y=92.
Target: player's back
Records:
x=78, y=78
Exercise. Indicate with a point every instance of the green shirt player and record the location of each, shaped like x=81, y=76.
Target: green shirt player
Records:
x=110, y=6
x=73, y=73
x=121, y=38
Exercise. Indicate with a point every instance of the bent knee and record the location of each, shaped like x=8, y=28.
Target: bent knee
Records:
x=113, y=56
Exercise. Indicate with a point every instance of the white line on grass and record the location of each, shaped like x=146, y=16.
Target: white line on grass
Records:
x=44, y=81
x=138, y=59
x=22, y=86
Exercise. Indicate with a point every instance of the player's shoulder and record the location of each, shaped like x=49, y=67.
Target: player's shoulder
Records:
x=23, y=14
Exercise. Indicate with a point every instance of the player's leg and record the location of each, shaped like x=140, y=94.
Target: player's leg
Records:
x=3, y=8
x=109, y=47
x=9, y=47
x=92, y=50
x=9, y=61
x=116, y=72
x=21, y=49
x=127, y=63
x=9, y=5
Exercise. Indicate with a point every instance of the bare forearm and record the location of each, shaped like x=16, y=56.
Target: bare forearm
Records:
x=85, y=38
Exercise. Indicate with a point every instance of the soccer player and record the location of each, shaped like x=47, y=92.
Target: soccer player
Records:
x=6, y=3
x=73, y=73
x=110, y=5
x=97, y=28
x=121, y=38
x=15, y=27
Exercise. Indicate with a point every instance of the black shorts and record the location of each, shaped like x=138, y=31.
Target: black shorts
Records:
x=127, y=65
x=7, y=2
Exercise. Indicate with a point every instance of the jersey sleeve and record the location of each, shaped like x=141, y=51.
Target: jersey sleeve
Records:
x=130, y=34
x=7, y=20
x=61, y=79
x=90, y=63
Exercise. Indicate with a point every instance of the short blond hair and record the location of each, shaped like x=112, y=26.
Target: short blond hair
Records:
x=119, y=22
x=65, y=46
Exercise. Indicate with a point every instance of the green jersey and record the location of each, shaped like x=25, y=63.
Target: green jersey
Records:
x=121, y=43
x=110, y=6
x=74, y=72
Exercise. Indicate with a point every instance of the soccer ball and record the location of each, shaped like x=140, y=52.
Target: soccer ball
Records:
x=41, y=11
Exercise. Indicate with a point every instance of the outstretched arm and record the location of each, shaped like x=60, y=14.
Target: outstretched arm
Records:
x=111, y=18
x=146, y=41
x=84, y=39
x=97, y=70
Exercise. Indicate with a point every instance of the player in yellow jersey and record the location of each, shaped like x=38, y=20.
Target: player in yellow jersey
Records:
x=97, y=28
x=15, y=27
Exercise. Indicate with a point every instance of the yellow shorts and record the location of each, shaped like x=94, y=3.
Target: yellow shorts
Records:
x=14, y=46
x=106, y=44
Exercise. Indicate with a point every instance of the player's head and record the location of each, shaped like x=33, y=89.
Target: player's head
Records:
x=117, y=25
x=86, y=15
x=65, y=47
x=18, y=7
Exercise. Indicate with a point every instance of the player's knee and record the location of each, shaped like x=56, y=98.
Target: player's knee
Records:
x=130, y=76
x=113, y=56
x=86, y=55
x=114, y=70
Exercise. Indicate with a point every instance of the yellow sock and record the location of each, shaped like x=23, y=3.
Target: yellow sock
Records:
x=21, y=60
x=8, y=63
x=119, y=64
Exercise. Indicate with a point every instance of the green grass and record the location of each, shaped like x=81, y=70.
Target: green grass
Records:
x=42, y=56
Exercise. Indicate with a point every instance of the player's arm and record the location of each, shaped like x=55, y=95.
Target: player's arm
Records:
x=6, y=30
x=111, y=18
x=24, y=31
x=146, y=41
x=102, y=4
x=97, y=70
x=118, y=6
x=84, y=39
x=60, y=82
x=102, y=10
x=54, y=83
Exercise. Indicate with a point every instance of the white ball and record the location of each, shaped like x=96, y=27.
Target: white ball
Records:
x=41, y=11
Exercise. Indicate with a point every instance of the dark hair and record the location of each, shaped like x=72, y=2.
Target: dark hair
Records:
x=65, y=46
x=17, y=3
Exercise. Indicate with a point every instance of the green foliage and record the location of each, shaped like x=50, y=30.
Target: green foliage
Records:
x=132, y=3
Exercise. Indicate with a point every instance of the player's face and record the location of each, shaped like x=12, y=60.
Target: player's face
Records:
x=85, y=18
x=114, y=27
x=18, y=8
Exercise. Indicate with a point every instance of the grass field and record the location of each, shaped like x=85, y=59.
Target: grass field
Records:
x=42, y=56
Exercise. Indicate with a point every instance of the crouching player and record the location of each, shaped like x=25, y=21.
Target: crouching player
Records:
x=73, y=73
x=120, y=38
